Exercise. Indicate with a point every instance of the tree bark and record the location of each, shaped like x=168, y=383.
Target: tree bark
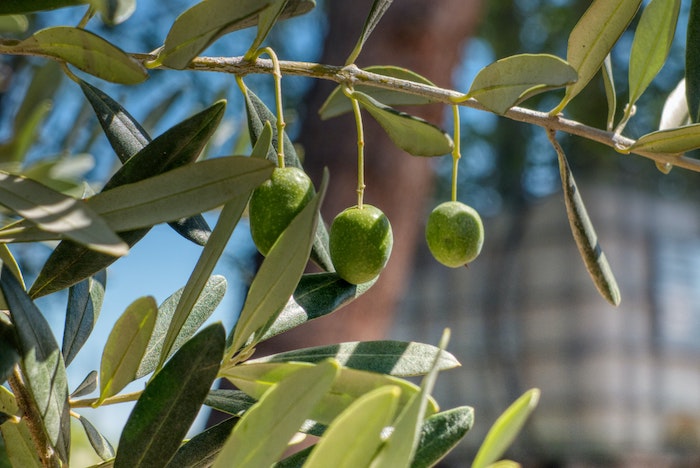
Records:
x=426, y=37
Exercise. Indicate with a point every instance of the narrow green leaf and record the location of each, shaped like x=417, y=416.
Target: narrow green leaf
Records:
x=651, y=44
x=356, y=434
x=45, y=82
x=41, y=363
x=126, y=346
x=400, y=447
x=202, y=449
x=14, y=23
x=228, y=219
x=258, y=115
x=508, y=81
x=692, y=62
x=87, y=386
x=610, y=94
x=127, y=137
x=116, y=11
x=9, y=350
x=54, y=212
x=99, y=443
x=279, y=274
x=212, y=294
x=672, y=141
x=585, y=235
x=411, y=134
x=195, y=188
x=338, y=103
x=19, y=445
x=379, y=7
x=201, y=25
x=397, y=358
x=505, y=429
x=169, y=404
x=266, y=20
x=592, y=38
x=675, y=111
x=84, y=305
x=255, y=379
x=124, y=133
x=86, y=51
x=440, y=433
x=233, y=402
x=28, y=6
x=262, y=434
x=180, y=145
x=316, y=295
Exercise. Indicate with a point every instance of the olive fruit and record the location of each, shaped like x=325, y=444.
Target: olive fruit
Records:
x=275, y=203
x=360, y=242
x=455, y=233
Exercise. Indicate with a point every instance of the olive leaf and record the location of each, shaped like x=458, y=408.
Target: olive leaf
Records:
x=84, y=305
x=17, y=435
x=506, y=428
x=584, y=233
x=210, y=297
x=180, y=145
x=397, y=358
x=228, y=219
x=202, y=24
x=99, y=443
x=127, y=137
x=610, y=95
x=356, y=434
x=411, y=134
x=440, y=433
x=41, y=363
x=316, y=295
x=651, y=44
x=508, y=81
x=591, y=40
x=279, y=274
x=256, y=378
x=262, y=434
x=201, y=450
x=692, y=62
x=86, y=51
x=126, y=346
x=87, y=386
x=672, y=141
x=379, y=7
x=8, y=7
x=55, y=212
x=164, y=412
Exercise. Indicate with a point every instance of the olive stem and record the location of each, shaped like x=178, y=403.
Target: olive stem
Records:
x=456, y=152
x=86, y=17
x=89, y=402
x=351, y=74
x=360, y=146
x=277, y=74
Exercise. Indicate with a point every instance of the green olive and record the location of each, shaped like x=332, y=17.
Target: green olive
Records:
x=360, y=243
x=455, y=233
x=275, y=203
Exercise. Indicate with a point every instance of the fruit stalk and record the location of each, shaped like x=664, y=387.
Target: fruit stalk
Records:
x=360, y=148
x=456, y=151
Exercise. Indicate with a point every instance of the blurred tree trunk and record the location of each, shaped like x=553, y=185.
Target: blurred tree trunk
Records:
x=426, y=37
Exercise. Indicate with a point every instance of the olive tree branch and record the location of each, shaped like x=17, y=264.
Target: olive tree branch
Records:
x=352, y=75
